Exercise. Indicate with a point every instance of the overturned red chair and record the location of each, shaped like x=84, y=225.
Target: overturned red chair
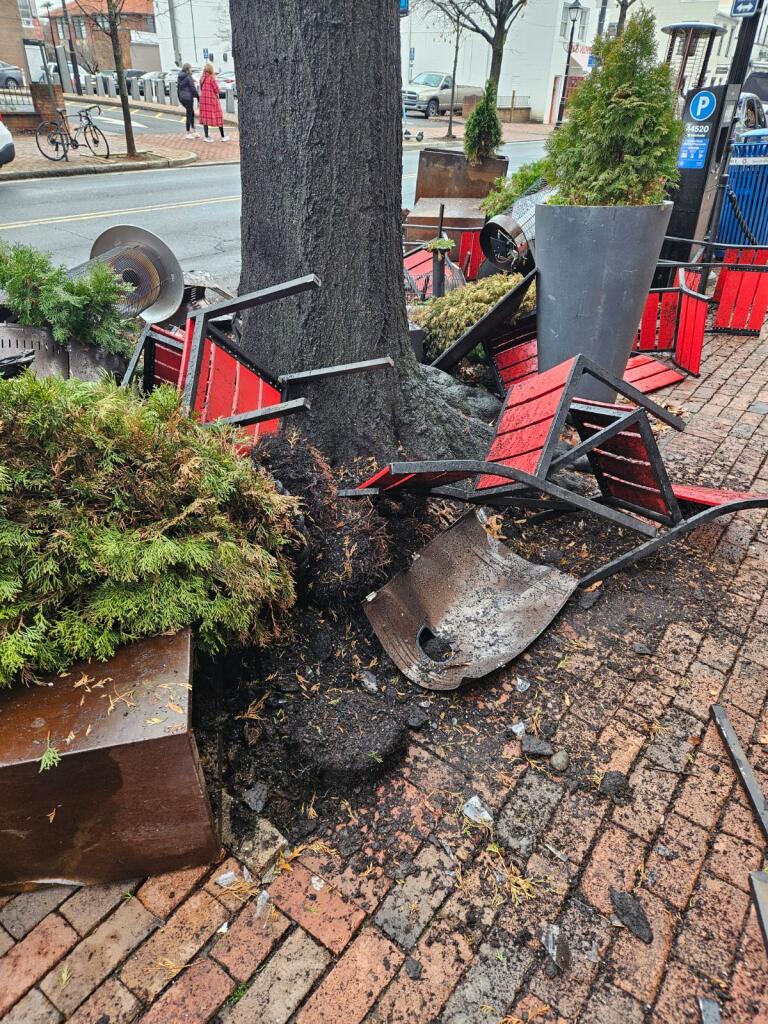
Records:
x=469, y=604
x=219, y=380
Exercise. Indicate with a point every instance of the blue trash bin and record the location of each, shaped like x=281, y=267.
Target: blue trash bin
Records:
x=748, y=179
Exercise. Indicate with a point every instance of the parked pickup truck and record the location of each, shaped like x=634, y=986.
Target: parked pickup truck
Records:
x=430, y=94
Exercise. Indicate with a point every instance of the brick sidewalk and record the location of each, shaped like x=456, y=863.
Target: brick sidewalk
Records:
x=424, y=920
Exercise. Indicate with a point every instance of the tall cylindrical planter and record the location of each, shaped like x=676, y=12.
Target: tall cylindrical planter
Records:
x=595, y=267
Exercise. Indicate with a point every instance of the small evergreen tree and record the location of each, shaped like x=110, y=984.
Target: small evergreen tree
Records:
x=619, y=145
x=482, y=132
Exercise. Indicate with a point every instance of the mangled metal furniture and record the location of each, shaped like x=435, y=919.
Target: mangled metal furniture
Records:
x=673, y=324
x=633, y=490
x=219, y=380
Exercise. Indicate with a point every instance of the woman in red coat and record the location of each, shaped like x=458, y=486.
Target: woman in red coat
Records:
x=211, y=115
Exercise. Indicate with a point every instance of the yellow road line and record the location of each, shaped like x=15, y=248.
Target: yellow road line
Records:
x=98, y=214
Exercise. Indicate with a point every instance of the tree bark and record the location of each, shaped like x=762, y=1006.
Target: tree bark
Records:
x=457, y=29
x=321, y=166
x=497, y=54
x=113, y=15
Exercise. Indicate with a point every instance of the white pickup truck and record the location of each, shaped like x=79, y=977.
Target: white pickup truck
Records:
x=430, y=94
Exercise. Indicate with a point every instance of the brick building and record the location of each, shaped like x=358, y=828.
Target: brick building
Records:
x=11, y=33
x=138, y=40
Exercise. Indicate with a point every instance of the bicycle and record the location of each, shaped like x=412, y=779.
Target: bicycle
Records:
x=55, y=138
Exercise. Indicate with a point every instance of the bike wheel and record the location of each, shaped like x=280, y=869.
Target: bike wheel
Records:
x=96, y=141
x=51, y=140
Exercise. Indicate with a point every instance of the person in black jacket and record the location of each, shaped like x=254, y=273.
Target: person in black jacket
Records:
x=188, y=93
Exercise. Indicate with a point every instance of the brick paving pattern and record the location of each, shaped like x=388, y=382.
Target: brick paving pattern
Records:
x=429, y=923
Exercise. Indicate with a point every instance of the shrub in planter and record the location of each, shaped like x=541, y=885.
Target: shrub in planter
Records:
x=446, y=319
x=85, y=309
x=121, y=519
x=482, y=132
x=597, y=243
x=507, y=191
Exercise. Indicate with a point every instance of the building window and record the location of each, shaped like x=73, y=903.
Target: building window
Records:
x=150, y=20
x=79, y=25
x=26, y=12
x=581, y=25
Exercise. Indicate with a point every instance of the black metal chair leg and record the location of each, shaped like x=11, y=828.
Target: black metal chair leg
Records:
x=652, y=546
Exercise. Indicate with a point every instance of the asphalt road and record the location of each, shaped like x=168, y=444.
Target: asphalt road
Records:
x=195, y=210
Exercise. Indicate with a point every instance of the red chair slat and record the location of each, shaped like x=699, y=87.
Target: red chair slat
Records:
x=648, y=339
x=542, y=409
x=542, y=384
x=527, y=463
x=386, y=480
x=670, y=302
x=641, y=497
x=510, y=357
x=760, y=298
x=710, y=497
x=518, y=372
x=251, y=392
x=221, y=391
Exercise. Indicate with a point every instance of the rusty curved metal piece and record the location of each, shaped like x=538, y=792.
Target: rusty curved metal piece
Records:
x=466, y=606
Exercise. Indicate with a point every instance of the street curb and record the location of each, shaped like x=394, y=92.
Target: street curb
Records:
x=151, y=108
x=161, y=163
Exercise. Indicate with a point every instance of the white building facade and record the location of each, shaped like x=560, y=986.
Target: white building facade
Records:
x=536, y=49
x=203, y=32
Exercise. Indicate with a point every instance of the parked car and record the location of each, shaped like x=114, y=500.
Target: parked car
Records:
x=227, y=83
x=430, y=94
x=53, y=71
x=10, y=76
x=750, y=114
x=7, y=149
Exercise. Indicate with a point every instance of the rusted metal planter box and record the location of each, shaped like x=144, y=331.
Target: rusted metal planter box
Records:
x=447, y=174
x=128, y=798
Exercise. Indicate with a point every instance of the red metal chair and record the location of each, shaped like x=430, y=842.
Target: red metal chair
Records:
x=219, y=380
x=631, y=475
x=522, y=456
x=741, y=293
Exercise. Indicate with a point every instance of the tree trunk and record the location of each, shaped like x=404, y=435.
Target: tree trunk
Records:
x=113, y=14
x=497, y=54
x=321, y=166
x=623, y=7
x=457, y=28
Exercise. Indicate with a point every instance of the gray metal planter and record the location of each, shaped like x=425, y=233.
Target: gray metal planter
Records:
x=85, y=362
x=595, y=267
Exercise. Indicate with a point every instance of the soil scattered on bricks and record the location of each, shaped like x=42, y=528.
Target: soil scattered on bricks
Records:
x=321, y=717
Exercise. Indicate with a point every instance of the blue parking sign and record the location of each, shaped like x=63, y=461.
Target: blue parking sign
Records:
x=703, y=105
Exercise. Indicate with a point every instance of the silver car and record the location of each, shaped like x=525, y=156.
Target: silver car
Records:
x=7, y=149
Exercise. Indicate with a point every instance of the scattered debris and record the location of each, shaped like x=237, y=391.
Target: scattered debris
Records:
x=518, y=729
x=476, y=811
x=642, y=649
x=535, y=747
x=558, y=951
x=710, y=1011
x=413, y=968
x=417, y=718
x=522, y=685
x=317, y=883
x=256, y=797
x=588, y=599
x=262, y=905
x=630, y=912
x=559, y=761
x=227, y=880
x=616, y=786
x=369, y=682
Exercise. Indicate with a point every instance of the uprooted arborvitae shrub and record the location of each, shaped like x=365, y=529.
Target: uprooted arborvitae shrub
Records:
x=122, y=518
x=447, y=318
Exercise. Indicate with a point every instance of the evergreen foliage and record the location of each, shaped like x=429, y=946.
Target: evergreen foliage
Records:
x=508, y=190
x=445, y=319
x=482, y=132
x=121, y=519
x=85, y=309
x=619, y=145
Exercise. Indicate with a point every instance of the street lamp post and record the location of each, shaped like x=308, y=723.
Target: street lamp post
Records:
x=72, y=52
x=574, y=10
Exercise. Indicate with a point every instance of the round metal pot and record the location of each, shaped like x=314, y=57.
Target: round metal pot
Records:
x=595, y=265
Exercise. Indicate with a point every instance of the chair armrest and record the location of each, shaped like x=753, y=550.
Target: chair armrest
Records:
x=286, y=380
